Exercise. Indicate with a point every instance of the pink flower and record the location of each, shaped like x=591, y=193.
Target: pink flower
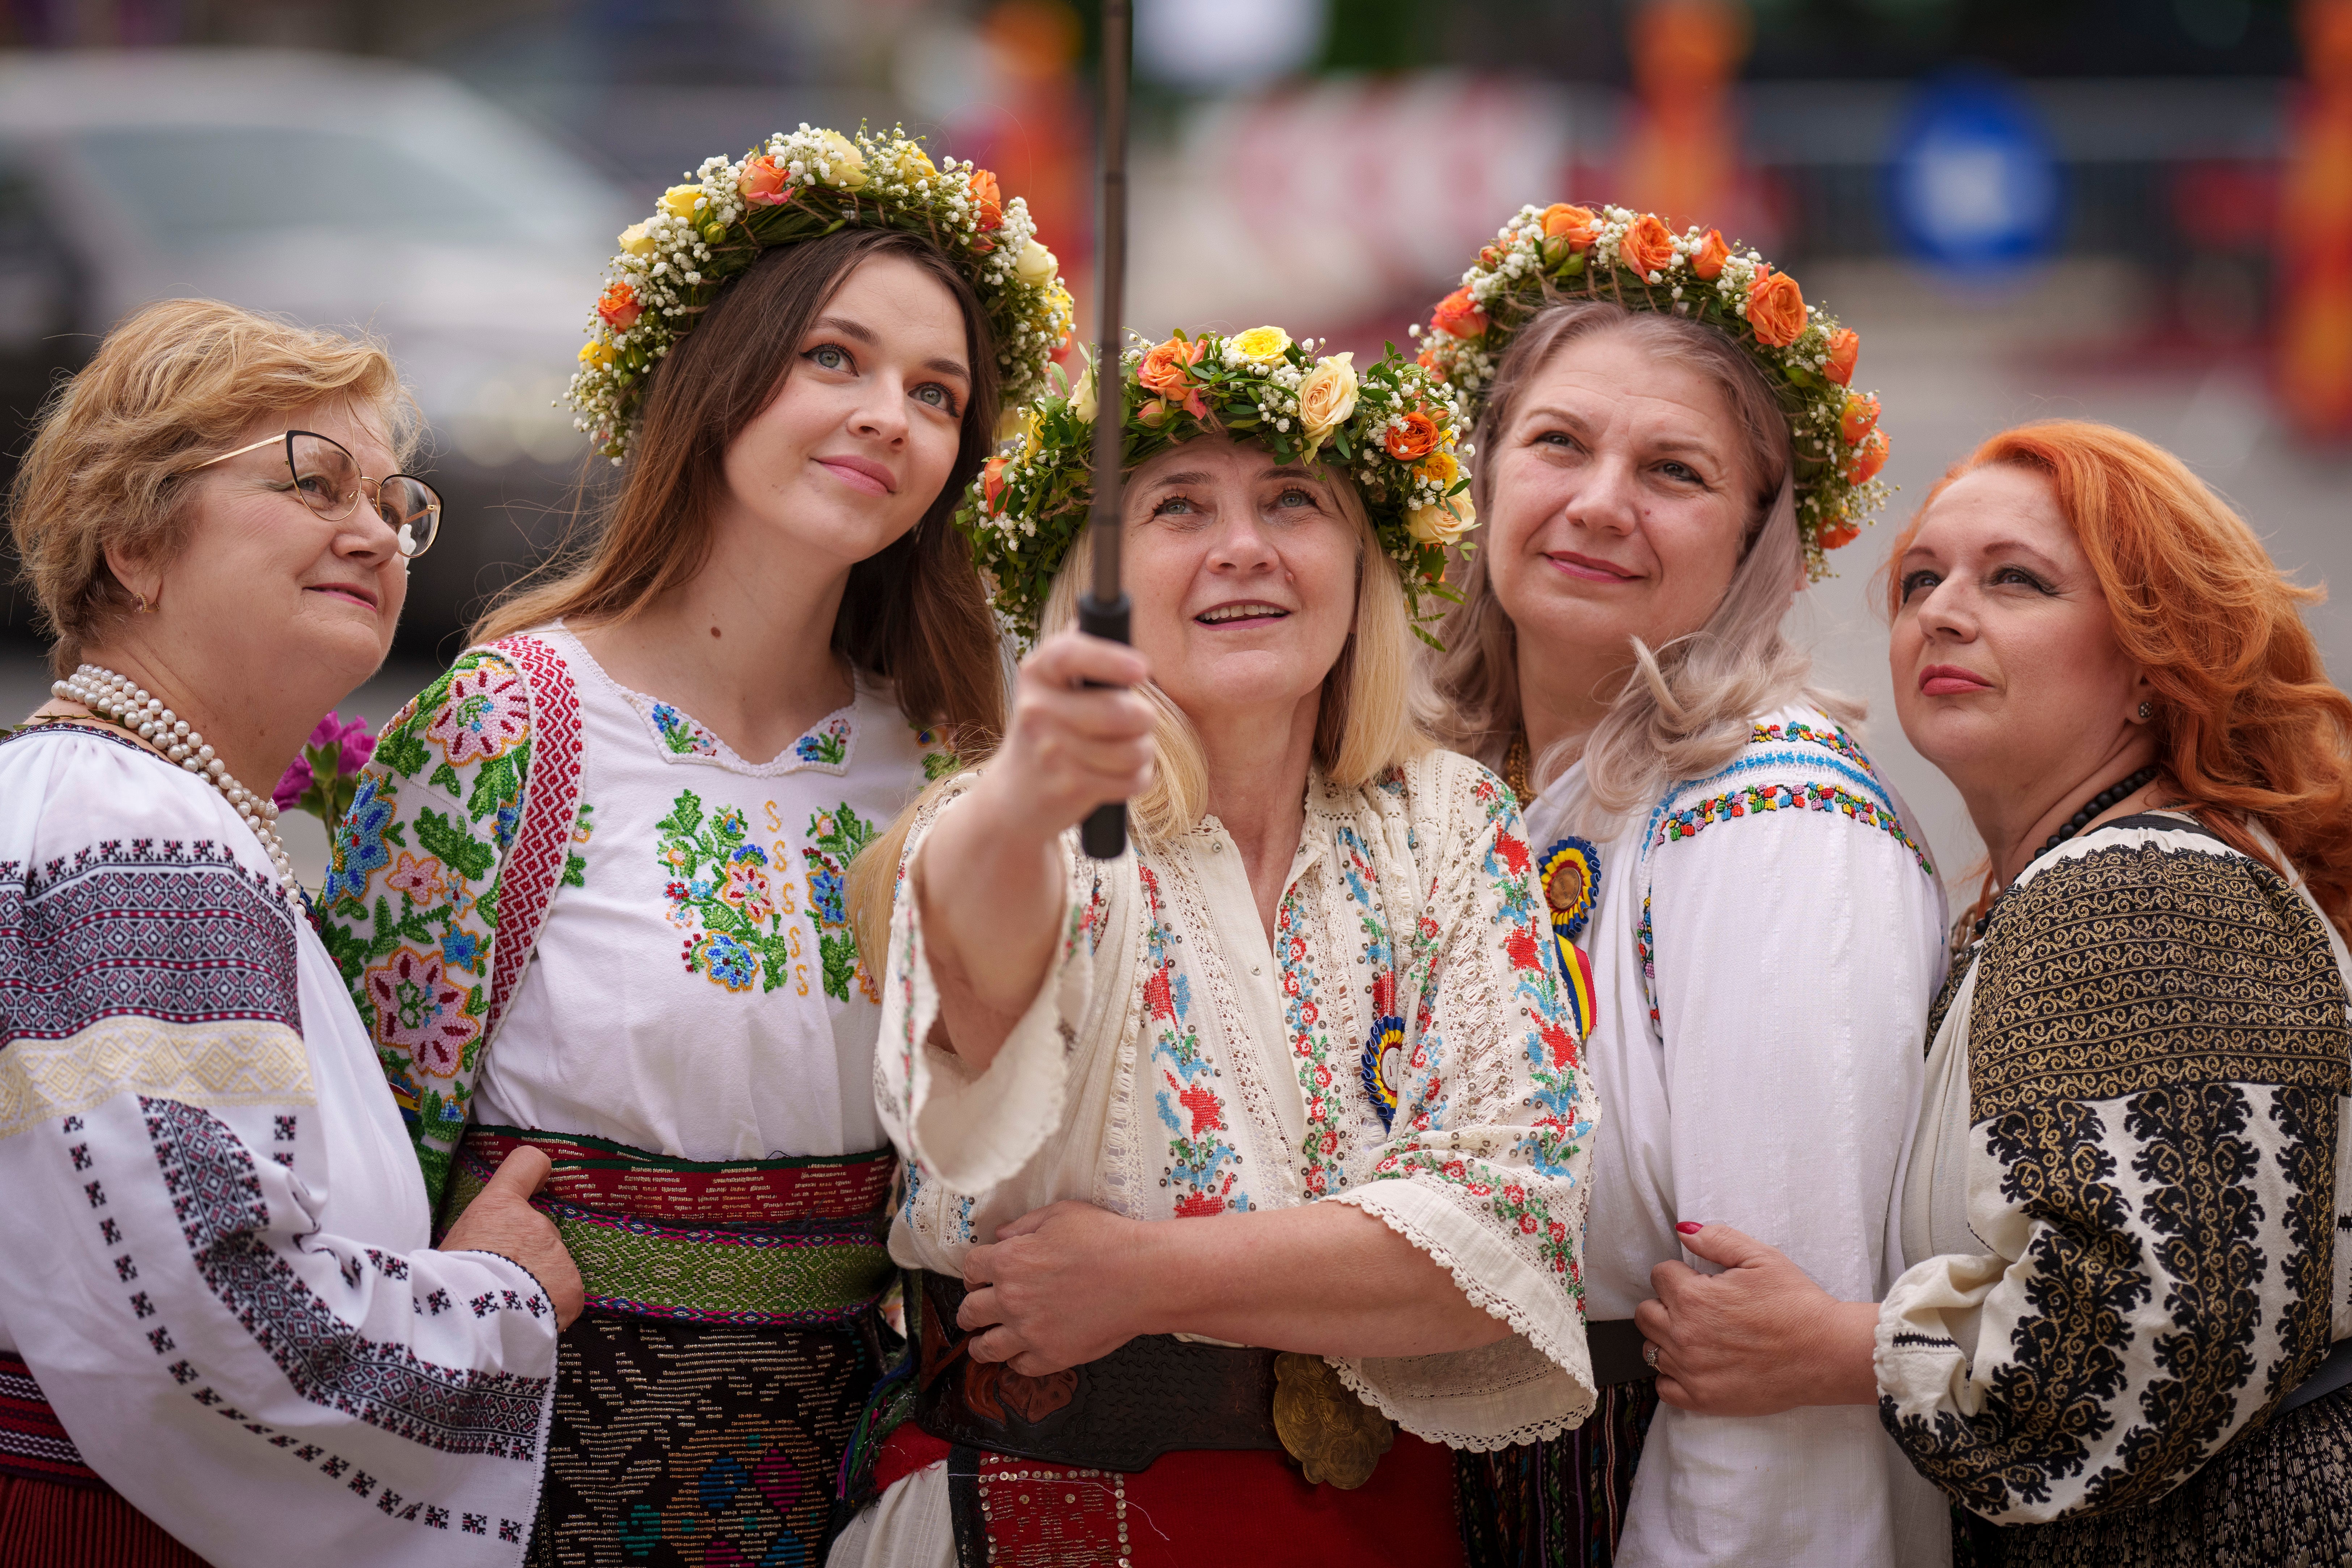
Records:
x=293, y=785
x=486, y=715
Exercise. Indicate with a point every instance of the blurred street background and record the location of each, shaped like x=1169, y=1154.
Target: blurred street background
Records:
x=2132, y=210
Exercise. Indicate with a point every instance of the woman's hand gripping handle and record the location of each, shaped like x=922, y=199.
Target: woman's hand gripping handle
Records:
x=990, y=876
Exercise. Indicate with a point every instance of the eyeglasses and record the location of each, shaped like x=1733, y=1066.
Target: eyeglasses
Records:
x=327, y=479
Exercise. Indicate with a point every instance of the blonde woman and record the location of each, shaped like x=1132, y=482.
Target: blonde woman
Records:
x=1271, y=1133
x=589, y=896
x=1664, y=443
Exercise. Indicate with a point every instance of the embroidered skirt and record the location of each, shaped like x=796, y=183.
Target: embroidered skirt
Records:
x=705, y=1397
x=54, y=1510
x=1232, y=1507
x=2279, y=1496
x=1562, y=1503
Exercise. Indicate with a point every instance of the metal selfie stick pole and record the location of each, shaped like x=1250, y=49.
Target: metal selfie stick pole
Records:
x=1103, y=612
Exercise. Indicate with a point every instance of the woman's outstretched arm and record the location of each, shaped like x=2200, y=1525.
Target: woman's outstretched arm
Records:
x=989, y=880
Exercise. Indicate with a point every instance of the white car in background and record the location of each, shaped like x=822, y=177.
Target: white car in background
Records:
x=340, y=192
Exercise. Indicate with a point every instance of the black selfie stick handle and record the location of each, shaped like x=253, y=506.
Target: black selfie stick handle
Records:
x=1103, y=608
x=1104, y=835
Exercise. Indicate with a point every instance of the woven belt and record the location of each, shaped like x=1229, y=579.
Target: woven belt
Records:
x=33, y=1441
x=748, y=1243
x=1617, y=1352
x=1152, y=1395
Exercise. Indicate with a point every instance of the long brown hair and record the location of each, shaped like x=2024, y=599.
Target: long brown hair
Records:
x=914, y=613
x=2250, y=731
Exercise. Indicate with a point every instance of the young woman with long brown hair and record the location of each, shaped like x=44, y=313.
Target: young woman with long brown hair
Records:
x=589, y=896
x=2121, y=1335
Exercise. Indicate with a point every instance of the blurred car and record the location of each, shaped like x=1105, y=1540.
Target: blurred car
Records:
x=341, y=193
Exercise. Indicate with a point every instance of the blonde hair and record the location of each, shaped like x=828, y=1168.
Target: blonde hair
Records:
x=1377, y=714
x=1688, y=706
x=172, y=385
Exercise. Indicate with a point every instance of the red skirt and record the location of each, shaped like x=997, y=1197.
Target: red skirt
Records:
x=50, y=1524
x=1237, y=1508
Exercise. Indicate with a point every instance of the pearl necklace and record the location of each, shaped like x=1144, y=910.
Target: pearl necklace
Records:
x=112, y=698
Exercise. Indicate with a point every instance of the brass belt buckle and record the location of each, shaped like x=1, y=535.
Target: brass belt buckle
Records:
x=1334, y=1435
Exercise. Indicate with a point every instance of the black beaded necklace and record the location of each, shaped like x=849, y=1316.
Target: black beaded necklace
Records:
x=2092, y=807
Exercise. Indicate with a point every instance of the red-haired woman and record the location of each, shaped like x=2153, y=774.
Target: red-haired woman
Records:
x=2117, y=1339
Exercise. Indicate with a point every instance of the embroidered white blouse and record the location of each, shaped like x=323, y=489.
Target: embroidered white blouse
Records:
x=217, y=1245
x=1764, y=948
x=693, y=991
x=1174, y=1064
x=2131, y=1134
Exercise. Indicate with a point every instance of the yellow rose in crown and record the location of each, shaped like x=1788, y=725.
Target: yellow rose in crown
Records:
x=1440, y=468
x=636, y=241
x=1035, y=264
x=1082, y=397
x=1261, y=345
x=844, y=165
x=1327, y=398
x=915, y=165
x=1444, y=523
x=679, y=200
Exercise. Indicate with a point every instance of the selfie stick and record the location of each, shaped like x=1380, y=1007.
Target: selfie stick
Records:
x=1103, y=612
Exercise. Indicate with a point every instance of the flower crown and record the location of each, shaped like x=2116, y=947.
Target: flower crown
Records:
x=1392, y=428
x=805, y=185
x=1632, y=259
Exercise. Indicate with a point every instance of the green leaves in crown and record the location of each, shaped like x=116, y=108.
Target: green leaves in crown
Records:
x=1394, y=428
x=1632, y=259
x=803, y=186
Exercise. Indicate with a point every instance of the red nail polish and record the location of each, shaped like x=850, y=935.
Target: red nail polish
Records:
x=1689, y=1227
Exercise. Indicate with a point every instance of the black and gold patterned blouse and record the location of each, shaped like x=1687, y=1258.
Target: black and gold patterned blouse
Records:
x=2123, y=1207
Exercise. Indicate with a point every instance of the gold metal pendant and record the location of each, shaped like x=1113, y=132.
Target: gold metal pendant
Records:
x=1334, y=1435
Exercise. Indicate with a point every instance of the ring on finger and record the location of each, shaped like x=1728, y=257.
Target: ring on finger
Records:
x=1649, y=1355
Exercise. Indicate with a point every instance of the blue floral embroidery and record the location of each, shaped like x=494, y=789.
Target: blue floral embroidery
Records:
x=681, y=734
x=359, y=845
x=827, y=744
x=460, y=949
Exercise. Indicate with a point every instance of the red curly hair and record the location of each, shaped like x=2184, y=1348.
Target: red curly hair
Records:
x=2249, y=729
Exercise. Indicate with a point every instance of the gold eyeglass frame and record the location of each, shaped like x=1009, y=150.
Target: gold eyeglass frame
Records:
x=374, y=488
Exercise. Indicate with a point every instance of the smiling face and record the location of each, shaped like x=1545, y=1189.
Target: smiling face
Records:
x=862, y=435
x=1619, y=502
x=2007, y=673
x=262, y=583
x=1243, y=574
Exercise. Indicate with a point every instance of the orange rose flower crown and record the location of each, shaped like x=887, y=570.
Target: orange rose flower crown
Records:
x=1632, y=259
x=805, y=185
x=1392, y=428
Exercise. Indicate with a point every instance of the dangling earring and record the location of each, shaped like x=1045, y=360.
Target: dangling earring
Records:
x=2146, y=711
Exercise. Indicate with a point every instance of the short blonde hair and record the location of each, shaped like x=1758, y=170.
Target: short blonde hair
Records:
x=172, y=385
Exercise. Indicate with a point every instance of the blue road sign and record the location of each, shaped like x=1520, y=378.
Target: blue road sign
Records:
x=1975, y=185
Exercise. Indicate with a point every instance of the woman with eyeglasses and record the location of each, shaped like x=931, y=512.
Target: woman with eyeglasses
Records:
x=591, y=891
x=224, y=1333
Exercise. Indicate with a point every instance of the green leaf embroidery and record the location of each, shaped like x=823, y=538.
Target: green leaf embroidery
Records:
x=460, y=851
x=447, y=778
x=498, y=782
